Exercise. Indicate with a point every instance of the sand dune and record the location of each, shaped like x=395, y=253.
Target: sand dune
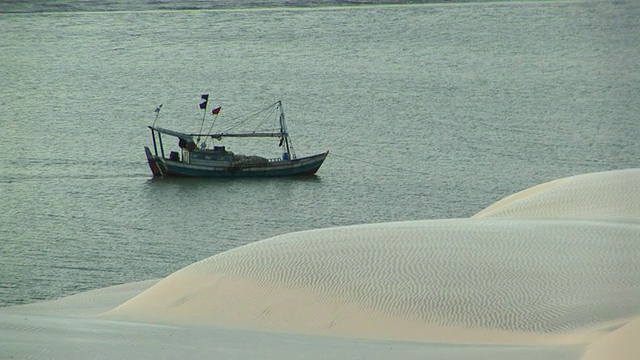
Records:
x=533, y=277
x=611, y=195
x=553, y=269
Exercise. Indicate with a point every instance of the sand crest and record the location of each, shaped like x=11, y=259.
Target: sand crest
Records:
x=621, y=344
x=611, y=195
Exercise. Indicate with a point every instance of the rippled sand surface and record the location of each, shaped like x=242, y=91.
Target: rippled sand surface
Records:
x=552, y=272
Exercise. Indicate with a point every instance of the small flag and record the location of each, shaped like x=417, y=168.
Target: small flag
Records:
x=158, y=108
x=205, y=96
x=203, y=105
x=216, y=110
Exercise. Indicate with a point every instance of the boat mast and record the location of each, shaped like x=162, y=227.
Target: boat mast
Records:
x=283, y=131
x=203, y=106
x=153, y=133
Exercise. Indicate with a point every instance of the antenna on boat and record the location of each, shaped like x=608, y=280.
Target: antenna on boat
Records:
x=157, y=111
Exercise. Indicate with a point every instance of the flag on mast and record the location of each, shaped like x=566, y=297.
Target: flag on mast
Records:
x=157, y=111
x=216, y=110
x=205, y=97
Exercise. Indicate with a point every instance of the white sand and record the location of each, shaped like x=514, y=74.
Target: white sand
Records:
x=554, y=269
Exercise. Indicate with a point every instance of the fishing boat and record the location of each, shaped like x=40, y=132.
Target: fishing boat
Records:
x=198, y=156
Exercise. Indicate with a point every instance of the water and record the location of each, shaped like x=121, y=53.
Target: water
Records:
x=429, y=111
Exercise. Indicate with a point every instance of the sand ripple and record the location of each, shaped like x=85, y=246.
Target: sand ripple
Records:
x=511, y=275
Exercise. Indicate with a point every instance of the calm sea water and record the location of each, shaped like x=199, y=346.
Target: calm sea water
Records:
x=429, y=111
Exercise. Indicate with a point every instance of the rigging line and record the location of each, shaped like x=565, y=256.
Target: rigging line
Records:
x=265, y=119
x=256, y=119
x=378, y=164
x=248, y=118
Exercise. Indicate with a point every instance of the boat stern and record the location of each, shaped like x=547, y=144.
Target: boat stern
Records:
x=153, y=163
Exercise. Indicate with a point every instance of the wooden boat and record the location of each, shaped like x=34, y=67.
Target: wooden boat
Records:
x=193, y=160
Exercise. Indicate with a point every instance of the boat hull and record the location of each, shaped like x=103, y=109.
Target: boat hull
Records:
x=170, y=168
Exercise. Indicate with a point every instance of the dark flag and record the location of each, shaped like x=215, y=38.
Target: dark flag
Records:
x=205, y=96
x=216, y=110
x=203, y=105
